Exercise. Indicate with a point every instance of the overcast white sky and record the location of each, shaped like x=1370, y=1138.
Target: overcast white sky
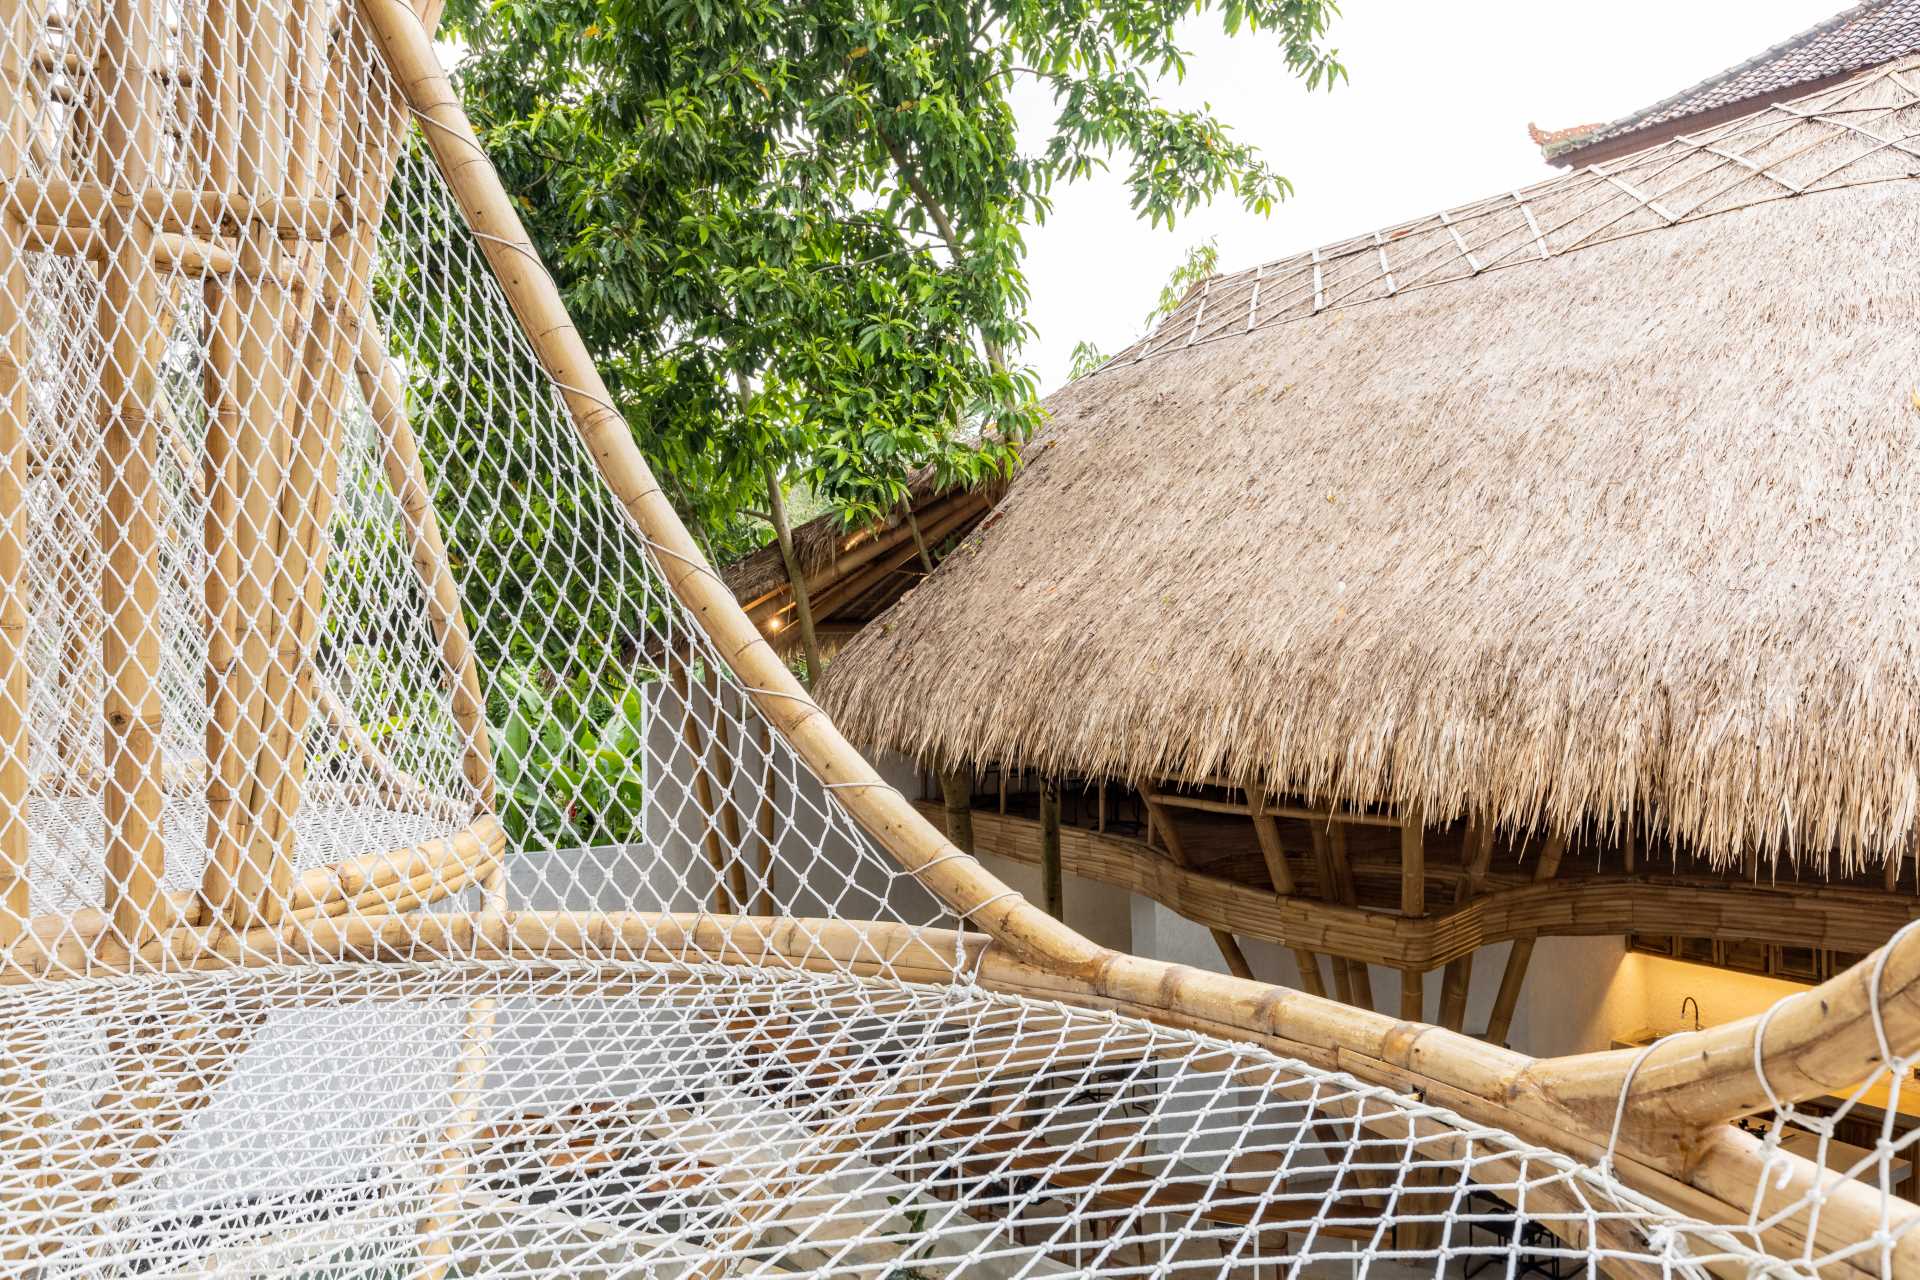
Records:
x=1435, y=114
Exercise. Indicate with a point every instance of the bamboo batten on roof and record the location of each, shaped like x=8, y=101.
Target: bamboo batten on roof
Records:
x=1592, y=503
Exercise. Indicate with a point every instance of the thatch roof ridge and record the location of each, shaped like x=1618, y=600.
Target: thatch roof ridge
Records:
x=1648, y=191
x=1633, y=532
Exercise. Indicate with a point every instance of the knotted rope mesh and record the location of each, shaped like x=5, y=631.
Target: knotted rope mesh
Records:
x=396, y=881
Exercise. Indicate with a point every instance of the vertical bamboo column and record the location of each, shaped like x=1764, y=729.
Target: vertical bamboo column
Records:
x=702, y=789
x=1267, y=830
x=1352, y=979
x=1413, y=905
x=764, y=903
x=22, y=1081
x=956, y=794
x=1521, y=956
x=316, y=329
x=259, y=463
x=720, y=756
x=20, y=31
x=217, y=97
x=1458, y=982
x=1052, y=880
x=129, y=324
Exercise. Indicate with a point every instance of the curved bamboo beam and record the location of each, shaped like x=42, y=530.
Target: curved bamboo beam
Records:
x=1032, y=940
x=368, y=886
x=1841, y=919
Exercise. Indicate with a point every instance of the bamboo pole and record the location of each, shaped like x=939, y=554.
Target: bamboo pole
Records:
x=956, y=791
x=317, y=356
x=1267, y=830
x=1508, y=999
x=1052, y=883
x=19, y=29
x=1351, y=977
x=1458, y=981
x=240, y=880
x=23, y=1141
x=720, y=762
x=1027, y=940
x=1413, y=904
x=129, y=325
x=385, y=394
x=1160, y=817
x=225, y=767
x=765, y=902
x=57, y=202
x=702, y=787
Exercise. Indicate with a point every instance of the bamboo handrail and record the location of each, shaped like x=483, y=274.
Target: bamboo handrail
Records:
x=57, y=202
x=1243, y=1009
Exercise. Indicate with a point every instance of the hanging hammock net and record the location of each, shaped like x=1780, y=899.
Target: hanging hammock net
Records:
x=406, y=869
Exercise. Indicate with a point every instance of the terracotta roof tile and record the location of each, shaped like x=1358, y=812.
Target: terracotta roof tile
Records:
x=1862, y=36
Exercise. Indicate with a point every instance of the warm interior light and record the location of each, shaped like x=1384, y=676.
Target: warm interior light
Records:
x=774, y=625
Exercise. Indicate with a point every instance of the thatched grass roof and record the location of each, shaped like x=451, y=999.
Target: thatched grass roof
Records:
x=1595, y=499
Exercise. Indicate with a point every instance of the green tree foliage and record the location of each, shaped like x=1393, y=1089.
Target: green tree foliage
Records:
x=792, y=233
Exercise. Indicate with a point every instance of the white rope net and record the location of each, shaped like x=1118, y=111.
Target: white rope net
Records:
x=321, y=633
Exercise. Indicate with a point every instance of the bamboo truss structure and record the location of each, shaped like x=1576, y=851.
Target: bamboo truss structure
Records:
x=321, y=840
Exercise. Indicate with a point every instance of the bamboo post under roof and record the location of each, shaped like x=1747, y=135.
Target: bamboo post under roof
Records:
x=1413, y=903
x=1458, y=981
x=1162, y=819
x=956, y=787
x=1508, y=998
x=1274, y=853
x=1053, y=892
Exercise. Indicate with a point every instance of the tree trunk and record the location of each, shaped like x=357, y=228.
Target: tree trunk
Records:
x=802, y=607
x=913, y=526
